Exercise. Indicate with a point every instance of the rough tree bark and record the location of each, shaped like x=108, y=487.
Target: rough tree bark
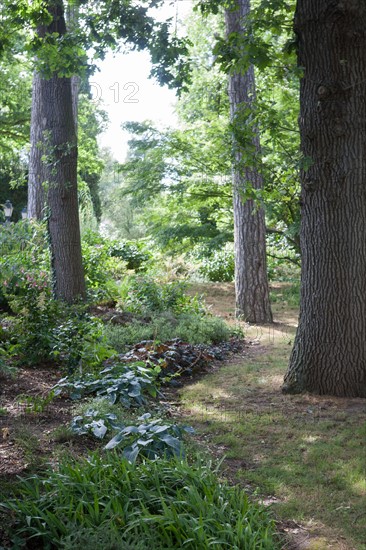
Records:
x=251, y=282
x=329, y=354
x=36, y=195
x=59, y=144
x=72, y=21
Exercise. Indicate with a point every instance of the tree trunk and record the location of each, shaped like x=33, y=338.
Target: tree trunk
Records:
x=329, y=354
x=251, y=281
x=72, y=20
x=36, y=195
x=60, y=173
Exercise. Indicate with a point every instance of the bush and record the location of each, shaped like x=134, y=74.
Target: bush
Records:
x=102, y=270
x=163, y=504
x=132, y=253
x=143, y=295
x=78, y=340
x=219, y=267
x=48, y=330
x=24, y=251
x=189, y=327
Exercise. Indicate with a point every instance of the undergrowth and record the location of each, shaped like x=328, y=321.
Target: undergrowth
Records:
x=161, y=504
x=189, y=327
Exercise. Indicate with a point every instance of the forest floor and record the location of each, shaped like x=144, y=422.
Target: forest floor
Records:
x=303, y=456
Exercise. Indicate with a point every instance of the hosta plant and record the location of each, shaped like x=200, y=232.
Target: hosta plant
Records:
x=124, y=383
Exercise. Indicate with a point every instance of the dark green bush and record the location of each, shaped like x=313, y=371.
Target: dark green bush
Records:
x=163, y=504
x=132, y=253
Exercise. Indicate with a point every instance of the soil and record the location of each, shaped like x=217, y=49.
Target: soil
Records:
x=30, y=424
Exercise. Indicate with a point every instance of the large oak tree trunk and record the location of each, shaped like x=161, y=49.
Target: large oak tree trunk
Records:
x=251, y=282
x=59, y=144
x=329, y=354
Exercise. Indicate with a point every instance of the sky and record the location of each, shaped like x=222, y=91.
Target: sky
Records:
x=126, y=92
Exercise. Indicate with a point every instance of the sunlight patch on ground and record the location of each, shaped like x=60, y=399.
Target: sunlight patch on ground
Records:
x=359, y=487
x=310, y=438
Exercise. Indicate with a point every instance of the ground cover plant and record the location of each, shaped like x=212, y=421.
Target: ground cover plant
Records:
x=164, y=504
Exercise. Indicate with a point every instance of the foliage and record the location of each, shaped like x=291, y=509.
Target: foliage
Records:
x=175, y=505
x=134, y=254
x=24, y=251
x=34, y=403
x=102, y=26
x=101, y=268
x=123, y=383
x=15, y=99
x=106, y=262
x=5, y=368
x=26, y=290
x=93, y=422
x=144, y=295
x=188, y=327
x=91, y=122
x=79, y=341
x=179, y=181
x=44, y=329
x=148, y=439
x=219, y=266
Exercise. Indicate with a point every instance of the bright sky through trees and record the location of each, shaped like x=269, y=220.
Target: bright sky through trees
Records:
x=127, y=93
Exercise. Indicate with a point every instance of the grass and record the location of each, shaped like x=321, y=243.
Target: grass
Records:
x=189, y=327
x=305, y=451
x=164, y=504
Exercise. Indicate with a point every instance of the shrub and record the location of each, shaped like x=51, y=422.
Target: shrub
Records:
x=101, y=268
x=31, y=331
x=133, y=254
x=164, y=504
x=79, y=340
x=143, y=295
x=219, y=267
x=48, y=330
x=5, y=368
x=24, y=250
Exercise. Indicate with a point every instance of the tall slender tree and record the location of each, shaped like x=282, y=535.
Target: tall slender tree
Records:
x=251, y=281
x=329, y=354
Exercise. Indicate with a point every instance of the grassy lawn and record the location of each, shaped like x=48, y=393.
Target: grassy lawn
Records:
x=305, y=455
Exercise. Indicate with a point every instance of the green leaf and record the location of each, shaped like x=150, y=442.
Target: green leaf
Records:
x=131, y=453
x=116, y=440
